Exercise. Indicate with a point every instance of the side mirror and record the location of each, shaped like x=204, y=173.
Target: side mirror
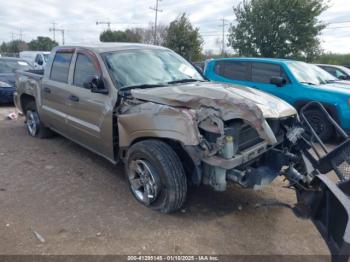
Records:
x=343, y=77
x=96, y=85
x=40, y=62
x=278, y=81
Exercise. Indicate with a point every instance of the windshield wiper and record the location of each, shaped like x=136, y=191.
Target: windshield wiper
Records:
x=143, y=86
x=185, y=80
x=308, y=83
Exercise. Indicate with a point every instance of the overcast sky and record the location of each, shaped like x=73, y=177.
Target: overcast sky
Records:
x=79, y=17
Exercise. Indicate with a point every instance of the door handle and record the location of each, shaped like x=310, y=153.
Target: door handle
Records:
x=47, y=90
x=74, y=98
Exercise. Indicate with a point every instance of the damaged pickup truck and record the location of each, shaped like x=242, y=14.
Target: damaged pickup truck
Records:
x=151, y=109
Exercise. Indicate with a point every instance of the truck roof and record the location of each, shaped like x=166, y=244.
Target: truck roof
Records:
x=110, y=47
x=256, y=59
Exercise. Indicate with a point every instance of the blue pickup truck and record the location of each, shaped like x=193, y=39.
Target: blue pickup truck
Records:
x=296, y=82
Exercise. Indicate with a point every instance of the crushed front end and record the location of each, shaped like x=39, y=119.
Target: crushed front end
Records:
x=237, y=153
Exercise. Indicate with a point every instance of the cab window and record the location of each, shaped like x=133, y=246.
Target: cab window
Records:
x=263, y=72
x=84, y=68
x=232, y=69
x=60, y=67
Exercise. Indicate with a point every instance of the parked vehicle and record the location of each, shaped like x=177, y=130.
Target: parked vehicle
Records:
x=295, y=82
x=340, y=72
x=37, y=58
x=148, y=107
x=330, y=79
x=8, y=67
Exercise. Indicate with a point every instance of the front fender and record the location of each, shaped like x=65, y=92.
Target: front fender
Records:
x=155, y=120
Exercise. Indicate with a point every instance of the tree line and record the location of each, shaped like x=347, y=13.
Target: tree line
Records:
x=262, y=28
x=42, y=43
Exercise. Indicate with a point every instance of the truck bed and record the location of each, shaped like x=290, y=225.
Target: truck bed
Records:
x=28, y=82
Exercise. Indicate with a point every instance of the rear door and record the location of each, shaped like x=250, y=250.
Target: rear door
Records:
x=89, y=115
x=55, y=91
x=236, y=72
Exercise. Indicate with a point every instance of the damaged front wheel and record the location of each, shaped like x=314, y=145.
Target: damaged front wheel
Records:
x=156, y=176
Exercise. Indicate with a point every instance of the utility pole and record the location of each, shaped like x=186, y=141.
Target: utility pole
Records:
x=156, y=10
x=58, y=30
x=20, y=34
x=108, y=23
x=223, y=35
x=62, y=31
x=53, y=30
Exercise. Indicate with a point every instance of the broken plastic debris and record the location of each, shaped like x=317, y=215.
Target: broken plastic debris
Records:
x=98, y=234
x=38, y=236
x=12, y=116
x=7, y=225
x=240, y=207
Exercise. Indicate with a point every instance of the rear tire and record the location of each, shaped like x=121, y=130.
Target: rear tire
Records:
x=321, y=125
x=34, y=126
x=156, y=176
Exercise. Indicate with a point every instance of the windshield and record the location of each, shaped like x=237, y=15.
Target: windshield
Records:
x=345, y=69
x=46, y=57
x=149, y=67
x=10, y=66
x=310, y=74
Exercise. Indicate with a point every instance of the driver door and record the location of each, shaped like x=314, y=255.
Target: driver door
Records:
x=89, y=115
x=261, y=74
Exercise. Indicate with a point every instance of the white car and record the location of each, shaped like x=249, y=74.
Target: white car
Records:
x=37, y=58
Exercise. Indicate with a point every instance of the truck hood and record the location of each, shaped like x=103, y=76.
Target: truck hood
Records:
x=224, y=97
x=337, y=87
x=343, y=82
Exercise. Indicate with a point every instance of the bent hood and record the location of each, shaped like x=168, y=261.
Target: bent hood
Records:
x=231, y=100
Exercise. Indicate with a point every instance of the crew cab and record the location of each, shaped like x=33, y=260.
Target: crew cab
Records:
x=148, y=107
x=295, y=82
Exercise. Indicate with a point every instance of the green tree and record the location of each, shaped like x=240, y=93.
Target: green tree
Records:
x=335, y=59
x=129, y=35
x=184, y=39
x=278, y=28
x=42, y=43
x=13, y=47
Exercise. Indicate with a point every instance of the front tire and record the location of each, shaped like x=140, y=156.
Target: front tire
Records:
x=156, y=176
x=34, y=126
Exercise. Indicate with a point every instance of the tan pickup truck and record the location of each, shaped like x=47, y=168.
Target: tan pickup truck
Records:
x=150, y=108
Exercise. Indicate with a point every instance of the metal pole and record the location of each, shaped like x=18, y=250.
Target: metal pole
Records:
x=54, y=31
x=223, y=36
x=156, y=20
x=155, y=24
